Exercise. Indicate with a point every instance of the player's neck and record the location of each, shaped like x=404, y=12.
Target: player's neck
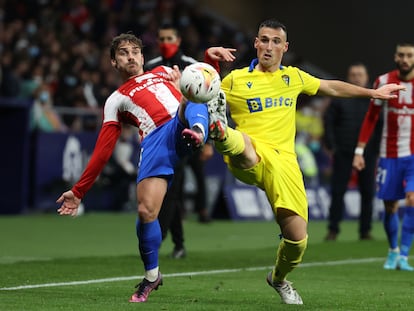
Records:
x=262, y=68
x=407, y=76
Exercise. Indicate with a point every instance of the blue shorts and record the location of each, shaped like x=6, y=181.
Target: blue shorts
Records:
x=395, y=177
x=161, y=150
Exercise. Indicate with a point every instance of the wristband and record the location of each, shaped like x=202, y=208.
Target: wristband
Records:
x=359, y=151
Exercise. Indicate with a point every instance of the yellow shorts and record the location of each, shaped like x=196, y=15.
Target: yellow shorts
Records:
x=279, y=176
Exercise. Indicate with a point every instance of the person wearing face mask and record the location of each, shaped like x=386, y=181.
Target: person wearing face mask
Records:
x=43, y=117
x=170, y=216
x=169, y=42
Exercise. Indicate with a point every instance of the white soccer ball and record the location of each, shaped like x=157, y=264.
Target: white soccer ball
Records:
x=200, y=82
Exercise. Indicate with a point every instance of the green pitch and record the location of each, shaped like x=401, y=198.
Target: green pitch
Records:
x=48, y=262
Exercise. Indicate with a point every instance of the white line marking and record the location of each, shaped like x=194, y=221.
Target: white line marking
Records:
x=208, y=272
x=15, y=259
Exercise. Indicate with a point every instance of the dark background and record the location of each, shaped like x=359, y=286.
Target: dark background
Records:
x=331, y=34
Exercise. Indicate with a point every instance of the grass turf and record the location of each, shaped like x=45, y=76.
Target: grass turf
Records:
x=225, y=268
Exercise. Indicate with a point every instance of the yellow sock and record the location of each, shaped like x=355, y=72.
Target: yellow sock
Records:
x=289, y=255
x=232, y=145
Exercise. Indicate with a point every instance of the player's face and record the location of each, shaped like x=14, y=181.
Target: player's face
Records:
x=270, y=44
x=358, y=75
x=168, y=36
x=404, y=59
x=128, y=59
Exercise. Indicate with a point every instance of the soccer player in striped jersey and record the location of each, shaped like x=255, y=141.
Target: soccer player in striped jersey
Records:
x=395, y=172
x=261, y=149
x=166, y=124
x=171, y=214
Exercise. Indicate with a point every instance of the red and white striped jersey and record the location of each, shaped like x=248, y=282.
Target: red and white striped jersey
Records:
x=146, y=101
x=398, y=129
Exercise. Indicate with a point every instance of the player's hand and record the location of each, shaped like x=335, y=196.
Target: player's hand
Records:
x=174, y=76
x=70, y=204
x=219, y=53
x=359, y=162
x=387, y=91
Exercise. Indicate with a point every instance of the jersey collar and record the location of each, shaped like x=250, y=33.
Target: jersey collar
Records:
x=254, y=62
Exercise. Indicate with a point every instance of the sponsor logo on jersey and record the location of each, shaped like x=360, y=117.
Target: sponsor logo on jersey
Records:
x=256, y=104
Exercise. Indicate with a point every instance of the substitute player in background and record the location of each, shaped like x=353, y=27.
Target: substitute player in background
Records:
x=395, y=173
x=261, y=150
x=151, y=102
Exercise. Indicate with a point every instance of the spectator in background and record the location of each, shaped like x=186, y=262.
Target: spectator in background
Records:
x=343, y=120
x=10, y=78
x=170, y=216
x=309, y=128
x=395, y=172
x=65, y=38
x=43, y=115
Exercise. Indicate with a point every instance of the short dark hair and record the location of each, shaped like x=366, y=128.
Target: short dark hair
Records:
x=273, y=23
x=169, y=26
x=357, y=64
x=409, y=44
x=129, y=37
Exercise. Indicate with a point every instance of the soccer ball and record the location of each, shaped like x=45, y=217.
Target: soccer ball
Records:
x=200, y=82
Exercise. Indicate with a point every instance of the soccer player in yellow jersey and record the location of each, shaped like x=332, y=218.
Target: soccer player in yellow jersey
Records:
x=260, y=150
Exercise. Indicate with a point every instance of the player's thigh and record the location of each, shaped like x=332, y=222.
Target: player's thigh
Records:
x=280, y=177
x=285, y=188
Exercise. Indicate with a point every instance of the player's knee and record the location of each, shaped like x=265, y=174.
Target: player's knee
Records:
x=146, y=214
x=293, y=226
x=391, y=207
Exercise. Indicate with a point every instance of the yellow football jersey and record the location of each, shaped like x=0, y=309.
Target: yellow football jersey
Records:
x=263, y=104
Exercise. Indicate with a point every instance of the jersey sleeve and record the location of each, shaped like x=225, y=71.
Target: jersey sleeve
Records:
x=226, y=83
x=311, y=84
x=371, y=117
x=211, y=61
x=104, y=147
x=370, y=120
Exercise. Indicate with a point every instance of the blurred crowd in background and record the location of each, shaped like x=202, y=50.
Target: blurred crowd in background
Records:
x=56, y=53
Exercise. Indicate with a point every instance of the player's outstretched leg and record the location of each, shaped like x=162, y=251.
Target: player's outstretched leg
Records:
x=285, y=290
x=145, y=288
x=217, y=117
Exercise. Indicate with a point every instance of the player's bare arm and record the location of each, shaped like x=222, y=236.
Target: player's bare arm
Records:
x=336, y=88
